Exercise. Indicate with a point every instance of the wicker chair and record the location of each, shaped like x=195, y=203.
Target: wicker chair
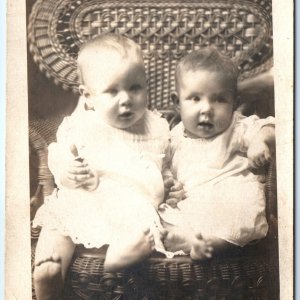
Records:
x=166, y=31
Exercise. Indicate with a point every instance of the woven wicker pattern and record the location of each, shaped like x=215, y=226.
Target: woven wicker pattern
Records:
x=166, y=31
x=226, y=278
x=41, y=134
x=242, y=278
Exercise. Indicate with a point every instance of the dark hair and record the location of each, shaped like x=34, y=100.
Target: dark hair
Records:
x=209, y=59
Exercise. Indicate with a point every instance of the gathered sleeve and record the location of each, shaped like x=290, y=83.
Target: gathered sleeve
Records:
x=248, y=127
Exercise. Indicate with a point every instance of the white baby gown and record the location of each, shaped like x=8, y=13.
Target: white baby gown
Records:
x=129, y=163
x=224, y=198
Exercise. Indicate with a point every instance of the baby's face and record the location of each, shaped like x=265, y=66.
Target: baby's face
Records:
x=206, y=103
x=117, y=89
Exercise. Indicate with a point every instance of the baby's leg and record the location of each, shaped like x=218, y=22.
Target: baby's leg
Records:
x=52, y=259
x=129, y=249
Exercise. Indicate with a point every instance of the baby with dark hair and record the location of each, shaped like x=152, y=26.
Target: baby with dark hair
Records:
x=213, y=151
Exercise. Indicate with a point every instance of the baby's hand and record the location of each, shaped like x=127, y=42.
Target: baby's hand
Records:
x=259, y=154
x=92, y=182
x=76, y=174
x=173, y=191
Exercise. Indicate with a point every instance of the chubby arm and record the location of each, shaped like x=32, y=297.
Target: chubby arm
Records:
x=174, y=191
x=68, y=168
x=262, y=147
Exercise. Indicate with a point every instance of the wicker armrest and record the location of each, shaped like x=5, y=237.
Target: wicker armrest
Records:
x=41, y=133
x=45, y=180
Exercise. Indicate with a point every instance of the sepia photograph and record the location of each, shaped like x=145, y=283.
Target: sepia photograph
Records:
x=109, y=105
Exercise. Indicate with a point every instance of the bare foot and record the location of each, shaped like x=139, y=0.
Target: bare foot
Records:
x=182, y=239
x=201, y=249
x=48, y=278
x=129, y=252
x=176, y=240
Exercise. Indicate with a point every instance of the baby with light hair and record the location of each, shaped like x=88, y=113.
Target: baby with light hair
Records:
x=107, y=163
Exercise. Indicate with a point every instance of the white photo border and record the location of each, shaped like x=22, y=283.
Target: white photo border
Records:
x=17, y=227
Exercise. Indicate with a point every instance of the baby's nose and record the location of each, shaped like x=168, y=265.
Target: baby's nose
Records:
x=124, y=98
x=205, y=106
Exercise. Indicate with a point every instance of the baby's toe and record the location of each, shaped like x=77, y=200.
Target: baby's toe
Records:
x=199, y=236
x=151, y=239
x=146, y=231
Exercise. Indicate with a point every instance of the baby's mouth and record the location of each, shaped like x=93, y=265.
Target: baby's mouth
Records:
x=205, y=125
x=126, y=115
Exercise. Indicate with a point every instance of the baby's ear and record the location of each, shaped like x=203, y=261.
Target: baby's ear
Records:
x=175, y=100
x=237, y=103
x=88, y=105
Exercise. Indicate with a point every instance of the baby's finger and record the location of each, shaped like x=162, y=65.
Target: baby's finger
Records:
x=77, y=177
x=172, y=202
x=75, y=163
x=168, y=182
x=177, y=195
x=177, y=186
x=79, y=170
x=91, y=183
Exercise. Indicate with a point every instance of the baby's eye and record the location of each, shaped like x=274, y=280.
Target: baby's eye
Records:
x=195, y=98
x=112, y=92
x=220, y=99
x=135, y=87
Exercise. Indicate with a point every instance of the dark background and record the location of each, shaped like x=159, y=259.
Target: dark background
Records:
x=45, y=99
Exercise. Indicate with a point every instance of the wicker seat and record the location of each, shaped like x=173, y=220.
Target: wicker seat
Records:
x=166, y=31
